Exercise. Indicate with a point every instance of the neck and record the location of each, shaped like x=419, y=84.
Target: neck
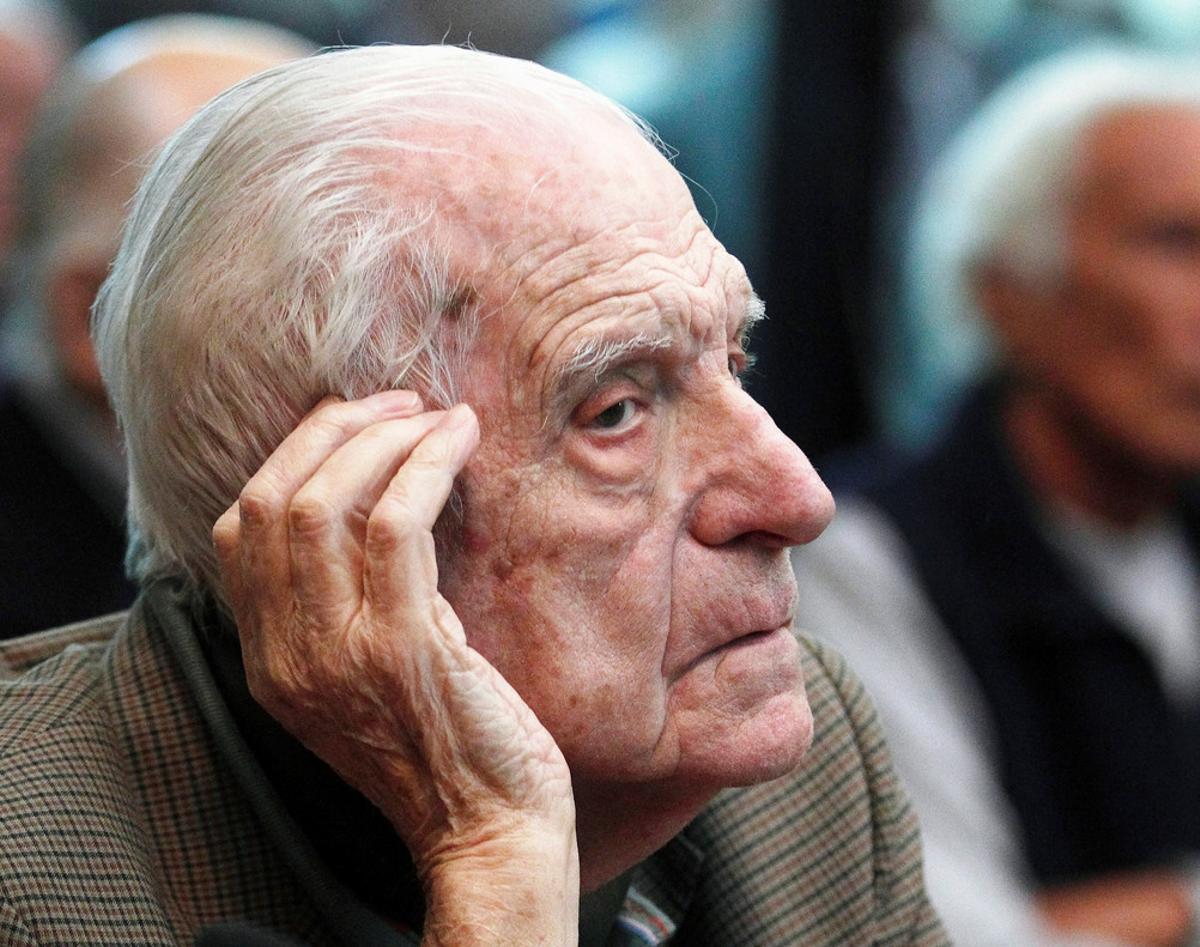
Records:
x=618, y=826
x=1066, y=461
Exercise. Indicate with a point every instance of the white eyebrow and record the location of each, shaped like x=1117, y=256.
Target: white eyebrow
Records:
x=596, y=355
x=756, y=312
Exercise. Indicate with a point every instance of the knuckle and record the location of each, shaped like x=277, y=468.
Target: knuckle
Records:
x=258, y=505
x=310, y=515
x=434, y=454
x=390, y=526
x=335, y=421
x=226, y=534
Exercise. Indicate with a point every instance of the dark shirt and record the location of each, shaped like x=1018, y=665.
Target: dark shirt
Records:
x=61, y=555
x=1102, y=770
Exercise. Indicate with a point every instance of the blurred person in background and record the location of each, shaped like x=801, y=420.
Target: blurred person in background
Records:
x=1022, y=598
x=62, y=483
x=35, y=38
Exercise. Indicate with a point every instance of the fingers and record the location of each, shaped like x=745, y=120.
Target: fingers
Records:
x=327, y=518
x=226, y=535
x=251, y=537
x=400, y=570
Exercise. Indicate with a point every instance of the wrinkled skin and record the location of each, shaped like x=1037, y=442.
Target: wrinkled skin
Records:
x=624, y=529
x=609, y=640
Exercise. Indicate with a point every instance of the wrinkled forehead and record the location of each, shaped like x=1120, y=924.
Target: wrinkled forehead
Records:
x=573, y=235
x=519, y=188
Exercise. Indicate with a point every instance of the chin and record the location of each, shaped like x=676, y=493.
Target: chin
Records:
x=766, y=747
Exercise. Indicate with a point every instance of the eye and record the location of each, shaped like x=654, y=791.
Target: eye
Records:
x=616, y=416
x=1173, y=235
x=739, y=364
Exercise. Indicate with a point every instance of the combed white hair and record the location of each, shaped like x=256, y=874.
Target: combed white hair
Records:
x=274, y=255
x=998, y=195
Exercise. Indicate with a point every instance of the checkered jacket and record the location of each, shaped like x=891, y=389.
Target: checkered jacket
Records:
x=121, y=824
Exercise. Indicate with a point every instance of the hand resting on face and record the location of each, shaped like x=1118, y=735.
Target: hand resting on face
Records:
x=328, y=563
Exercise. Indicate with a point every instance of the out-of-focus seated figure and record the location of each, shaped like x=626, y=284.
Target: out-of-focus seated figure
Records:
x=1022, y=598
x=62, y=482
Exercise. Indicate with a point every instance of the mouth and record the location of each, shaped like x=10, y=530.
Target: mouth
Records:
x=746, y=641
x=754, y=639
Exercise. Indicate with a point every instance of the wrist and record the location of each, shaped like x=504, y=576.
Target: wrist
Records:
x=516, y=886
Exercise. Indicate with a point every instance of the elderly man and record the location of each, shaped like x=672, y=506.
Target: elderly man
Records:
x=500, y=597
x=1024, y=598
x=62, y=486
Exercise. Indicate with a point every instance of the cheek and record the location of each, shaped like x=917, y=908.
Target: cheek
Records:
x=574, y=611
x=547, y=576
x=1140, y=309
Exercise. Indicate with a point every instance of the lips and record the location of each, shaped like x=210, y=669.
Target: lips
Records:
x=744, y=640
x=761, y=616
x=737, y=607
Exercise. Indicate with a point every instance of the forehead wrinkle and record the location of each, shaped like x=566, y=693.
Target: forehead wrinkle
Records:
x=660, y=295
x=572, y=262
x=616, y=316
x=672, y=305
x=568, y=253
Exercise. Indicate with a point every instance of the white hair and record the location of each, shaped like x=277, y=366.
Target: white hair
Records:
x=998, y=195
x=274, y=255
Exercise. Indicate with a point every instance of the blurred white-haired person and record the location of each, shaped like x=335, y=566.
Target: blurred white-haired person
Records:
x=1022, y=595
x=62, y=486
x=466, y=603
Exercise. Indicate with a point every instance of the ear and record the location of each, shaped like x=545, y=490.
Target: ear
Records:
x=1023, y=315
x=70, y=293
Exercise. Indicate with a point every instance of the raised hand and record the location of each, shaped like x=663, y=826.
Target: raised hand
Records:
x=328, y=564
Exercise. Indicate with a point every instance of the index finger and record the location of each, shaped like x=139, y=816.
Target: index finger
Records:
x=263, y=556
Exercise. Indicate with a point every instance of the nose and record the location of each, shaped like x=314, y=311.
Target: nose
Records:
x=756, y=483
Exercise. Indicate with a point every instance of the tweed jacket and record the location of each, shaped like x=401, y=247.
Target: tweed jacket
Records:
x=122, y=820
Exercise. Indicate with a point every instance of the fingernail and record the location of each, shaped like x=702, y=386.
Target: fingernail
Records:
x=458, y=417
x=399, y=398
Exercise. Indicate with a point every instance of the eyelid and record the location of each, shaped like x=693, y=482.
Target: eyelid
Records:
x=628, y=420
x=606, y=395
x=743, y=360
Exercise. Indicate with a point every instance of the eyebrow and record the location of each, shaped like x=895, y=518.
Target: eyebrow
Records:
x=756, y=312
x=598, y=355
x=595, y=357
